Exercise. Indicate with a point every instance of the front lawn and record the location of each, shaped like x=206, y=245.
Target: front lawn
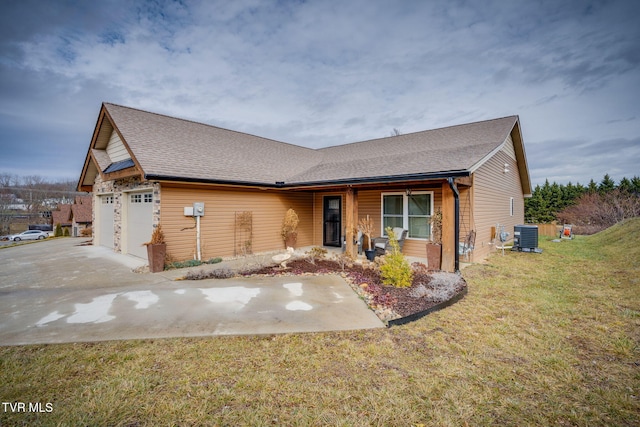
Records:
x=540, y=339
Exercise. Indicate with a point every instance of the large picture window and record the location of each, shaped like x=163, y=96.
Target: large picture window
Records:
x=411, y=212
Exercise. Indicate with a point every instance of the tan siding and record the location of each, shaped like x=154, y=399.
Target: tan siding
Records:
x=116, y=149
x=217, y=226
x=509, y=149
x=492, y=190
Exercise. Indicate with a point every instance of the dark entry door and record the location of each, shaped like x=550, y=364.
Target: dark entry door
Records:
x=332, y=214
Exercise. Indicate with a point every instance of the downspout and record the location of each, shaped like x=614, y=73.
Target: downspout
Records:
x=456, y=209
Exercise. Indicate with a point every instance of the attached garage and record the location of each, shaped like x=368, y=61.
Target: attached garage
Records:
x=139, y=222
x=105, y=221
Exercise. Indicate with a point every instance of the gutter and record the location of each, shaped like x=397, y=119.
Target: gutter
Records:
x=456, y=198
x=285, y=185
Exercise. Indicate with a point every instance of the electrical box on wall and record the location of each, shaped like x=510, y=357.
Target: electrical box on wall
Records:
x=188, y=211
x=198, y=209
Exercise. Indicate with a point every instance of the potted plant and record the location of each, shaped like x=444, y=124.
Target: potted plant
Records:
x=289, y=229
x=365, y=226
x=434, y=247
x=156, y=250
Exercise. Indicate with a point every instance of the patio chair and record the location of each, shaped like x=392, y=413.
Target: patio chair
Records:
x=465, y=248
x=357, y=240
x=381, y=244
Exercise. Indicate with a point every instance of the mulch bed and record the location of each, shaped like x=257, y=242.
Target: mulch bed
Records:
x=429, y=291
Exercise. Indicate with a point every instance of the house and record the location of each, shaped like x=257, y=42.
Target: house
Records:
x=62, y=217
x=74, y=217
x=144, y=169
x=81, y=216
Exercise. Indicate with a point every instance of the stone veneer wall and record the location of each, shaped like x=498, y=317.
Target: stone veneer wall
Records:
x=118, y=188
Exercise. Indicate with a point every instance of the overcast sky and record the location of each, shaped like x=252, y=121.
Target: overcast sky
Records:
x=320, y=73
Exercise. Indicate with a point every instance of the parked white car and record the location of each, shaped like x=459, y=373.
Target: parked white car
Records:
x=29, y=235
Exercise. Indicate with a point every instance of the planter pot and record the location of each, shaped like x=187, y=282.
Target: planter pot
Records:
x=434, y=256
x=370, y=254
x=156, y=254
x=290, y=241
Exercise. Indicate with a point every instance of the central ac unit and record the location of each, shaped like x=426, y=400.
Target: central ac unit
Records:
x=525, y=238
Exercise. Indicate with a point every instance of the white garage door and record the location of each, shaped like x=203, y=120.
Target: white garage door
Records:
x=106, y=221
x=139, y=223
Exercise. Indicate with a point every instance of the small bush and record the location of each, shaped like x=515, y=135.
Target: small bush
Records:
x=220, y=273
x=396, y=270
x=66, y=232
x=86, y=232
x=344, y=260
x=58, y=232
x=316, y=253
x=189, y=263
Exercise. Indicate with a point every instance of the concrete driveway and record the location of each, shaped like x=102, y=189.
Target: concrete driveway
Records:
x=59, y=291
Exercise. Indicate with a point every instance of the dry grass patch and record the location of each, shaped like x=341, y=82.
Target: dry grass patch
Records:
x=540, y=339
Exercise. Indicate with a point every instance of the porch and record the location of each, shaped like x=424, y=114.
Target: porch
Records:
x=408, y=205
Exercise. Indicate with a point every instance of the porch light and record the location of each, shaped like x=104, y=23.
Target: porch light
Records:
x=506, y=168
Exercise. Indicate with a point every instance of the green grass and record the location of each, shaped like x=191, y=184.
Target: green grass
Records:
x=540, y=339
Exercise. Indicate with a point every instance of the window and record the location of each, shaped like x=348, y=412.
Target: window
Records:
x=142, y=198
x=411, y=212
x=106, y=200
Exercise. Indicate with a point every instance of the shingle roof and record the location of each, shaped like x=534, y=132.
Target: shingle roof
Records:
x=171, y=147
x=168, y=147
x=81, y=209
x=455, y=148
x=62, y=215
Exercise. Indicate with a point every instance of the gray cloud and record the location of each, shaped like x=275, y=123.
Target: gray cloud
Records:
x=324, y=73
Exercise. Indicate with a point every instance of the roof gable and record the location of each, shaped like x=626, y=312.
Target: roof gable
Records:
x=168, y=148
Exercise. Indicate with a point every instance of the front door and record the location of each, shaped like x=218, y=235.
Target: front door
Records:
x=332, y=217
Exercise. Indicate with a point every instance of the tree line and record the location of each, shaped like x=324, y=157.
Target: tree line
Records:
x=592, y=207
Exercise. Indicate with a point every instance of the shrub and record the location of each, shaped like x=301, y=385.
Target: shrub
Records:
x=86, y=232
x=316, y=253
x=220, y=273
x=594, y=212
x=58, y=232
x=66, y=232
x=344, y=259
x=396, y=270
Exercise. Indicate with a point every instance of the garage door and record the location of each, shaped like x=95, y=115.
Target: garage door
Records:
x=139, y=223
x=106, y=221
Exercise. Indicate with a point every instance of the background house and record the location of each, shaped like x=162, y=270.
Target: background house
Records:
x=74, y=218
x=145, y=168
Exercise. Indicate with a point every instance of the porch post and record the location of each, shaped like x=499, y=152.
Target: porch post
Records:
x=448, y=229
x=351, y=206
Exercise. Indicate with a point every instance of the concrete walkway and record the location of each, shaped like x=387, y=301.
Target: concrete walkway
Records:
x=57, y=291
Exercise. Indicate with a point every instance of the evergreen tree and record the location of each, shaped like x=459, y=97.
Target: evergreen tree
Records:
x=607, y=185
x=625, y=186
x=635, y=185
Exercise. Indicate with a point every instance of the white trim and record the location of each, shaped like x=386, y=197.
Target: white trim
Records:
x=482, y=161
x=405, y=210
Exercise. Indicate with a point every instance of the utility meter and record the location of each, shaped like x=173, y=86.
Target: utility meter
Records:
x=198, y=209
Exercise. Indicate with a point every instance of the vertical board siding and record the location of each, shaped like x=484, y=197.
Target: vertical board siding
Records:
x=492, y=192
x=116, y=149
x=218, y=224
